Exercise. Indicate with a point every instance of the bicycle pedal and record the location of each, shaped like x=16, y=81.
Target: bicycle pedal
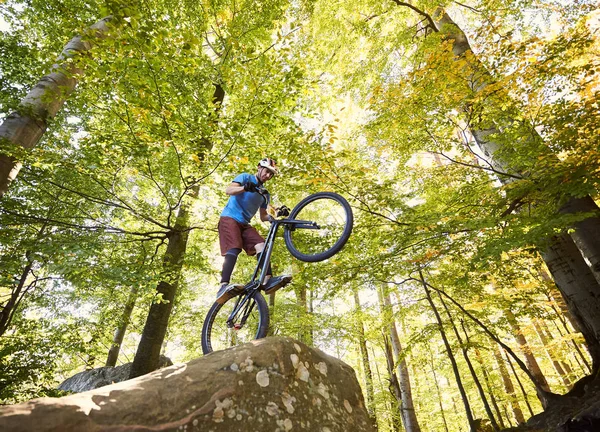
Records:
x=229, y=292
x=277, y=283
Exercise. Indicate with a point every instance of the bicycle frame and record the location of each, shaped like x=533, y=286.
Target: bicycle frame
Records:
x=260, y=272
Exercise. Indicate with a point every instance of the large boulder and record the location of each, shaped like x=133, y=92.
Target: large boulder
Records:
x=103, y=376
x=273, y=384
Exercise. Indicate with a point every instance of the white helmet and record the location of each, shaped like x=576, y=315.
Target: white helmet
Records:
x=269, y=164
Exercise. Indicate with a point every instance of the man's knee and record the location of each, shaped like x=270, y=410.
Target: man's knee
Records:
x=259, y=247
x=234, y=251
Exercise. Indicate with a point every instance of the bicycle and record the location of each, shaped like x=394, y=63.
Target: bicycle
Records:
x=315, y=230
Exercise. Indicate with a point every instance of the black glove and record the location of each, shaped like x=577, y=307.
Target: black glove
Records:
x=261, y=190
x=250, y=187
x=283, y=211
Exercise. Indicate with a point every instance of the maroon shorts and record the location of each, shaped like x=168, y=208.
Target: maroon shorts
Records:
x=236, y=235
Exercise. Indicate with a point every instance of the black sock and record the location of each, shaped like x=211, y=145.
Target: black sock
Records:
x=228, y=266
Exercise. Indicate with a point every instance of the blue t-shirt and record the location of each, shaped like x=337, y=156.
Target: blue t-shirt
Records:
x=244, y=206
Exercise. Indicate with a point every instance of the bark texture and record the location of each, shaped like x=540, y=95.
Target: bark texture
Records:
x=266, y=385
x=579, y=289
x=24, y=128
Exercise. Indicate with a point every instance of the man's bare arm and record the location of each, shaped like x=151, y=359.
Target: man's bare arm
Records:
x=234, y=189
x=264, y=216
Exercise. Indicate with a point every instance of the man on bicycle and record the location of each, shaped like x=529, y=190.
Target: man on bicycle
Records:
x=247, y=195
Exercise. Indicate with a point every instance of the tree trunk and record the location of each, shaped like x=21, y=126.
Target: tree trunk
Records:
x=488, y=382
x=463, y=393
x=484, y=400
x=148, y=352
x=556, y=304
x=304, y=331
x=544, y=395
x=532, y=363
x=586, y=232
x=409, y=418
x=364, y=354
x=8, y=309
x=512, y=368
x=113, y=352
x=508, y=386
x=579, y=289
x=24, y=128
x=439, y=393
x=394, y=386
x=546, y=342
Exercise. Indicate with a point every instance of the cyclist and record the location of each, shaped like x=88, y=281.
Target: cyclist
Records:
x=235, y=232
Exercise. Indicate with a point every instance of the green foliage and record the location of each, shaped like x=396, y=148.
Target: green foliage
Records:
x=357, y=98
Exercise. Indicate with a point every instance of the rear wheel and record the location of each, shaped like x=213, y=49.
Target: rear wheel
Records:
x=329, y=224
x=237, y=321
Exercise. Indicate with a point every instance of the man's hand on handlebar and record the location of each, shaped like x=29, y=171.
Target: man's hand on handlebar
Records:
x=283, y=211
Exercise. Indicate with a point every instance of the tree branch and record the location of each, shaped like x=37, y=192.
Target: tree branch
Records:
x=420, y=12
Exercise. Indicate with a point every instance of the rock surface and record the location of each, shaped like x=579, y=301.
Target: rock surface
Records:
x=100, y=377
x=273, y=384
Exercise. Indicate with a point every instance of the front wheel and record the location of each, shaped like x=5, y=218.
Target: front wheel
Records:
x=237, y=321
x=328, y=226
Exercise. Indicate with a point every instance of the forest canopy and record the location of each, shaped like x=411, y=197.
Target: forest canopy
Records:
x=463, y=134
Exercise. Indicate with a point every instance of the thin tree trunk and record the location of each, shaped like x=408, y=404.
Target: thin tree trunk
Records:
x=113, y=352
x=439, y=393
x=520, y=385
x=7, y=310
x=394, y=386
x=463, y=393
x=304, y=332
x=488, y=383
x=25, y=127
x=508, y=386
x=484, y=400
x=579, y=356
x=272, y=328
x=409, y=418
x=544, y=396
x=364, y=354
x=566, y=366
x=532, y=363
x=546, y=342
